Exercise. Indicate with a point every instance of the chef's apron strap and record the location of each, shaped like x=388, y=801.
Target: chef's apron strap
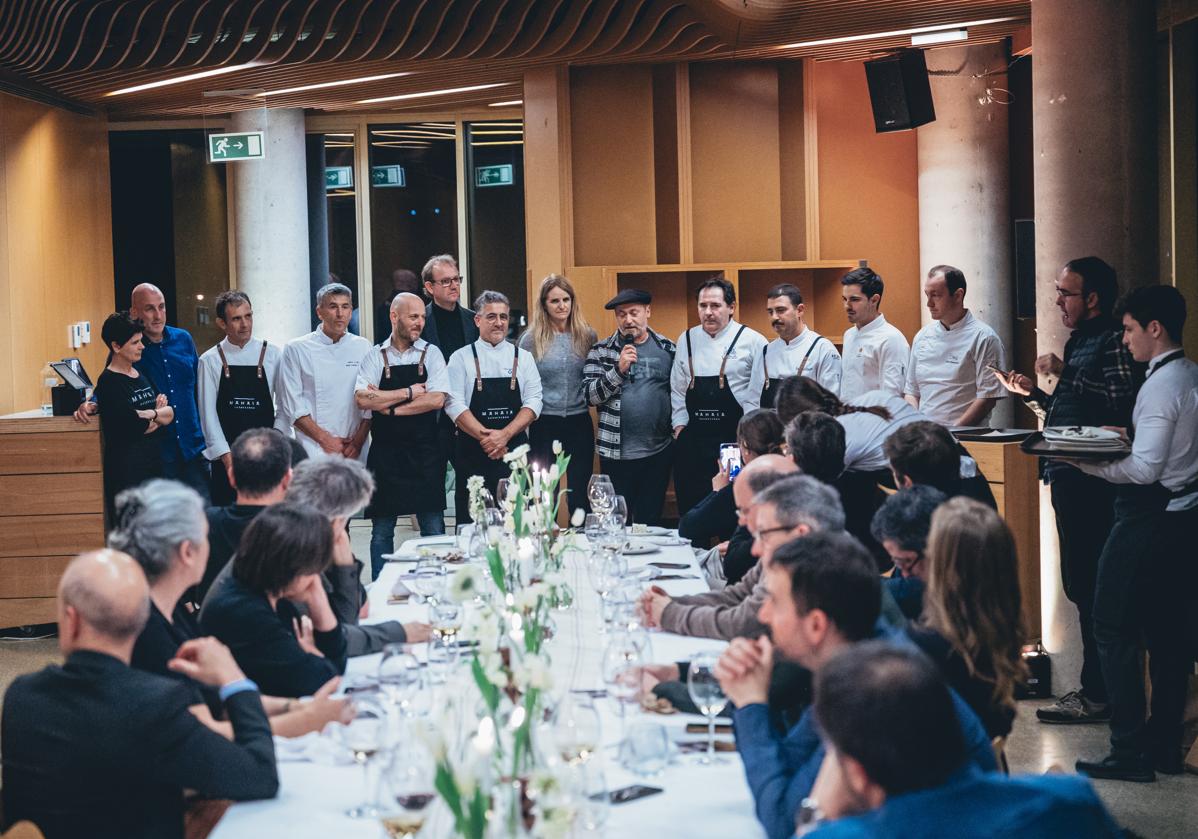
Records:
x=224, y=362
x=727, y=352
x=386, y=363
x=261, y=360
x=515, y=364
x=420, y=363
x=690, y=361
x=478, y=370
x=807, y=355
x=765, y=365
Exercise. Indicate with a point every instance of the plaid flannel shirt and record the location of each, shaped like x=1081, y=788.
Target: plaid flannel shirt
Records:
x=602, y=383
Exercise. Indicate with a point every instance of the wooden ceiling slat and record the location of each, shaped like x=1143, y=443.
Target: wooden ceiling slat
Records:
x=428, y=21
x=471, y=23
x=532, y=34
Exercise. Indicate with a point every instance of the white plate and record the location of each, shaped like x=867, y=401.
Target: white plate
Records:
x=1087, y=435
x=640, y=548
x=649, y=530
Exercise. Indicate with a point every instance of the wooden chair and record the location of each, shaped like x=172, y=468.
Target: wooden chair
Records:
x=23, y=830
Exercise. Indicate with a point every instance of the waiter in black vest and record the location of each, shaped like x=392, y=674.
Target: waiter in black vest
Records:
x=494, y=394
x=404, y=382
x=710, y=389
x=237, y=382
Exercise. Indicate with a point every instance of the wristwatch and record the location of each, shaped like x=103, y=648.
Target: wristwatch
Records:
x=809, y=817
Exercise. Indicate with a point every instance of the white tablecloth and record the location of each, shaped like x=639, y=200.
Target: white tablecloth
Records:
x=698, y=801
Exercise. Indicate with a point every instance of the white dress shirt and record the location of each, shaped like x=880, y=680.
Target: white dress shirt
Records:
x=494, y=362
x=317, y=381
x=784, y=359
x=1165, y=447
x=370, y=372
x=208, y=385
x=875, y=358
x=864, y=434
x=947, y=370
x=709, y=354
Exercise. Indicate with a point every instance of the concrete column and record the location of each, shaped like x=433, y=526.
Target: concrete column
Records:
x=271, y=224
x=1094, y=117
x=964, y=188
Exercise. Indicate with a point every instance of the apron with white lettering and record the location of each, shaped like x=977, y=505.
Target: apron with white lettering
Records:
x=495, y=402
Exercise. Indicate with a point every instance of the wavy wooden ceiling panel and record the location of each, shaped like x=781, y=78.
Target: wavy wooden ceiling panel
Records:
x=85, y=49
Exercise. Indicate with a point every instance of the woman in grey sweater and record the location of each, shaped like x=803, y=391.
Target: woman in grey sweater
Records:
x=559, y=339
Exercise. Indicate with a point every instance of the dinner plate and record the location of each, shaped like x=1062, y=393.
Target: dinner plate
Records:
x=640, y=548
x=648, y=530
x=1087, y=435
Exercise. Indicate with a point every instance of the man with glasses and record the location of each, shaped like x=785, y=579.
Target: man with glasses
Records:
x=448, y=326
x=901, y=526
x=1096, y=385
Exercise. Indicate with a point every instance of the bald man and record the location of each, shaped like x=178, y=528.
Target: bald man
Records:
x=403, y=381
x=171, y=362
x=95, y=748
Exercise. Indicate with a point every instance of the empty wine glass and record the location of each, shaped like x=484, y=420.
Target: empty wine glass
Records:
x=428, y=579
x=600, y=492
x=399, y=676
x=576, y=729
x=594, y=802
x=410, y=781
x=605, y=571
x=363, y=737
x=622, y=660
x=705, y=691
x=593, y=528
x=619, y=511
x=646, y=749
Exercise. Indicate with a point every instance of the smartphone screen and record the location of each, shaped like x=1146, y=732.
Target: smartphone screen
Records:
x=730, y=459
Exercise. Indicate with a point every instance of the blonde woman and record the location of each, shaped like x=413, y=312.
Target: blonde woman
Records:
x=972, y=615
x=559, y=338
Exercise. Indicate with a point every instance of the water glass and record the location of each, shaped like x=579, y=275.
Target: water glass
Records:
x=441, y=657
x=646, y=749
x=577, y=730
x=399, y=676
x=705, y=691
x=619, y=512
x=622, y=660
x=594, y=804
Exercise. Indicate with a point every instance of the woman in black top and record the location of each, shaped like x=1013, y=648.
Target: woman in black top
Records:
x=282, y=555
x=131, y=411
x=161, y=524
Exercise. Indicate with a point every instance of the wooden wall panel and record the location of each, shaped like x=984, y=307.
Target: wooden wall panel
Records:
x=868, y=190
x=43, y=495
x=27, y=454
x=734, y=162
x=51, y=535
x=35, y=576
x=56, y=259
x=611, y=135
x=792, y=175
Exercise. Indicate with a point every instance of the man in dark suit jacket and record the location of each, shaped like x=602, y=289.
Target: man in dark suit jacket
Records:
x=95, y=748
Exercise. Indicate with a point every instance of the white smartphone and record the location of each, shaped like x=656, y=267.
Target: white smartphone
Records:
x=730, y=459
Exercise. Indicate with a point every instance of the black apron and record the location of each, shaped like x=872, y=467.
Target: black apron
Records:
x=405, y=457
x=769, y=393
x=495, y=402
x=242, y=402
x=713, y=415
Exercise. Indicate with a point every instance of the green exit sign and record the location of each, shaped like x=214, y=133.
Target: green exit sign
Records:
x=390, y=175
x=500, y=175
x=339, y=177
x=246, y=145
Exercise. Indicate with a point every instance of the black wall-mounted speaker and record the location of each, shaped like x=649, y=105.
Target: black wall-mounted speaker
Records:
x=899, y=91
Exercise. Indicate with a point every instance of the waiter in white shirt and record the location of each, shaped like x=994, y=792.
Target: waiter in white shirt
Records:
x=950, y=374
x=403, y=382
x=797, y=351
x=875, y=353
x=236, y=383
x=494, y=394
x=319, y=372
x=1146, y=574
x=709, y=389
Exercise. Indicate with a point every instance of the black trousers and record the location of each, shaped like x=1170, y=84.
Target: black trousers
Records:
x=1085, y=512
x=1140, y=602
x=696, y=460
x=223, y=493
x=642, y=482
x=194, y=473
x=577, y=436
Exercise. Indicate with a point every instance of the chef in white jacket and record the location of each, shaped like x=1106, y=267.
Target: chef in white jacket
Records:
x=318, y=375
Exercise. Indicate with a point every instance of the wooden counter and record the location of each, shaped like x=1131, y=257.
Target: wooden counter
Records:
x=51, y=508
x=1014, y=480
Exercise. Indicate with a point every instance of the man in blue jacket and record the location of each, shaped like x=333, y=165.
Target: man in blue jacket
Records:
x=897, y=764
x=823, y=595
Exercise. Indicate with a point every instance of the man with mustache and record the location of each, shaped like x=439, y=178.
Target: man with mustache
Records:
x=797, y=351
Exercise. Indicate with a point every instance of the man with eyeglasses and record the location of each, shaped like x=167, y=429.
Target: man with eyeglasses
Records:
x=1097, y=381
x=448, y=326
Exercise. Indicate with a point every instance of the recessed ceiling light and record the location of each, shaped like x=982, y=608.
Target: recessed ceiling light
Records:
x=945, y=37
x=427, y=93
x=846, y=39
x=506, y=104
x=342, y=82
x=190, y=77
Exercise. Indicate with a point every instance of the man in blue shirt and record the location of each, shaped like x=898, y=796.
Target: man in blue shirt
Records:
x=823, y=596
x=896, y=763
x=171, y=362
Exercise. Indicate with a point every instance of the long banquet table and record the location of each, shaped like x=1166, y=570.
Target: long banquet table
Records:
x=699, y=801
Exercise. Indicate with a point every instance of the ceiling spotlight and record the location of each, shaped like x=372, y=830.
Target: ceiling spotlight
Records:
x=946, y=37
x=190, y=77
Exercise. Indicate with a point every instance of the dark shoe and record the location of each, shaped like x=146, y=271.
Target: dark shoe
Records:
x=1169, y=764
x=1114, y=768
x=1074, y=708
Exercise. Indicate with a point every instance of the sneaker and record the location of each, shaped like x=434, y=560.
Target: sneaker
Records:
x=1074, y=708
x=1114, y=768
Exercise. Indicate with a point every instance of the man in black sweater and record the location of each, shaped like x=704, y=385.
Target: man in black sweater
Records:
x=95, y=748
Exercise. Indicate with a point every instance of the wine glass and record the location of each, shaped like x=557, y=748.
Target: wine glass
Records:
x=594, y=800
x=647, y=749
x=605, y=571
x=493, y=525
x=363, y=737
x=592, y=528
x=411, y=783
x=619, y=512
x=622, y=660
x=399, y=676
x=428, y=579
x=705, y=691
x=576, y=729
x=600, y=492
x=501, y=491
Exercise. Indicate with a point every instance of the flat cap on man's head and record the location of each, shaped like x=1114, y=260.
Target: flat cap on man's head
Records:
x=628, y=297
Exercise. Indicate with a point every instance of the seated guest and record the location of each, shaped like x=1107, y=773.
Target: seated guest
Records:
x=95, y=748
x=714, y=518
x=901, y=526
x=823, y=596
x=262, y=464
x=887, y=723
x=926, y=453
x=816, y=445
x=282, y=557
x=337, y=488
x=788, y=509
x=738, y=557
x=161, y=525
x=972, y=622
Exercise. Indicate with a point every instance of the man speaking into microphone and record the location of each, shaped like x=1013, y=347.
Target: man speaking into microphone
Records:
x=627, y=377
